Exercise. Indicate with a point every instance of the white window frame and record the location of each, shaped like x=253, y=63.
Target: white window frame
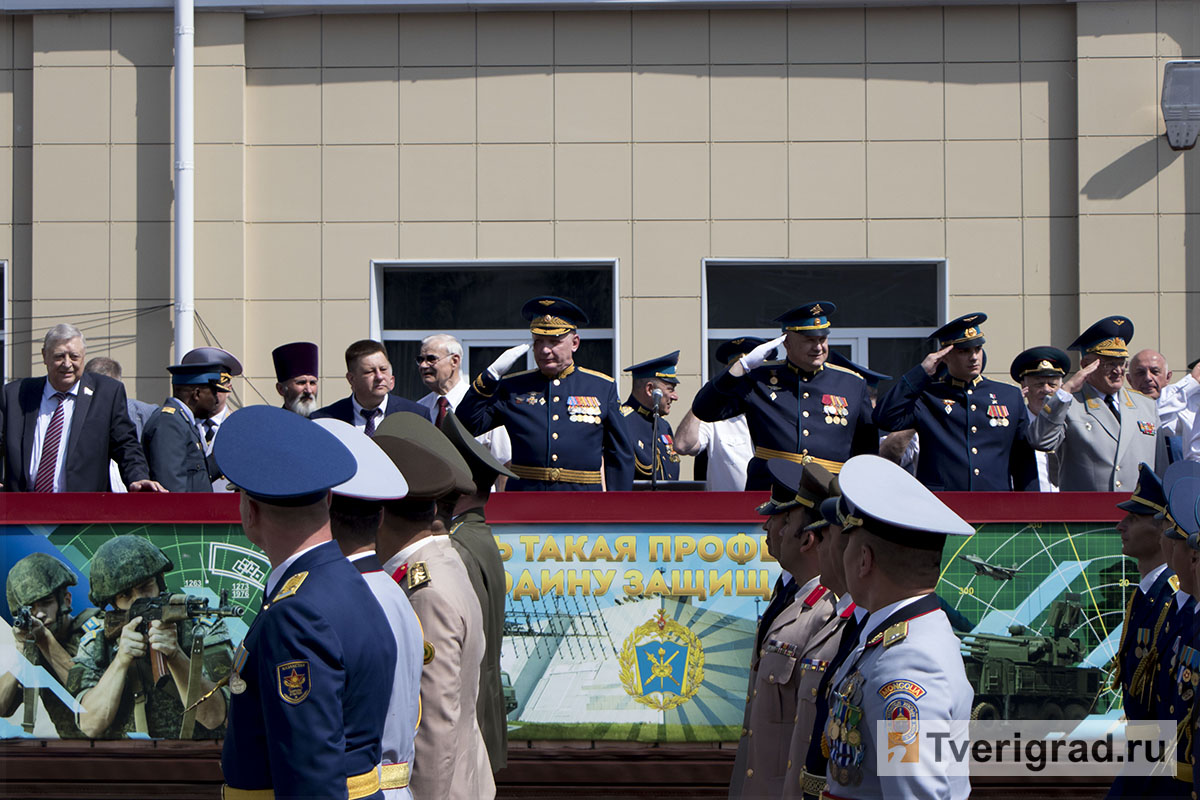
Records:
x=492, y=337
x=857, y=338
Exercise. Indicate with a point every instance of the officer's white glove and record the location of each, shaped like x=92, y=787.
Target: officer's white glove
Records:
x=506, y=360
x=758, y=355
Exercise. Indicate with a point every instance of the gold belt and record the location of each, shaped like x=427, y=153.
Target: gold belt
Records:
x=395, y=776
x=556, y=474
x=358, y=786
x=800, y=458
x=811, y=784
x=1183, y=772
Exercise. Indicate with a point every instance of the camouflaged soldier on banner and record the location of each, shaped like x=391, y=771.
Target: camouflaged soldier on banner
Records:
x=47, y=635
x=121, y=690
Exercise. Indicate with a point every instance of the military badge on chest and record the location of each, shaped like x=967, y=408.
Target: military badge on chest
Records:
x=836, y=408
x=1188, y=673
x=529, y=399
x=843, y=734
x=237, y=684
x=584, y=409
x=947, y=406
x=997, y=414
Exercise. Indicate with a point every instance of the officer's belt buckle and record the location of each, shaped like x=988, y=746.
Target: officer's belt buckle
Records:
x=810, y=784
x=767, y=453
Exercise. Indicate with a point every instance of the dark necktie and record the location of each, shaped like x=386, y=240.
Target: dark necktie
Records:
x=782, y=599
x=44, y=482
x=443, y=406
x=210, y=430
x=369, y=416
x=1111, y=401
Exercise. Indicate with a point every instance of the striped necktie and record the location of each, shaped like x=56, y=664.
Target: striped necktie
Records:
x=49, y=460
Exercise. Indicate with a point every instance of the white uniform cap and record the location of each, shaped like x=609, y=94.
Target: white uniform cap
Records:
x=880, y=489
x=377, y=477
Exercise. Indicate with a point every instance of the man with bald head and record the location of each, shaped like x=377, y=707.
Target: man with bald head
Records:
x=1149, y=373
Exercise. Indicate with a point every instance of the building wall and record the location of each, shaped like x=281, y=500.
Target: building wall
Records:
x=1022, y=143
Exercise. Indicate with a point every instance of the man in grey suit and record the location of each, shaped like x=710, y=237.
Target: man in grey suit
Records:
x=139, y=411
x=1101, y=429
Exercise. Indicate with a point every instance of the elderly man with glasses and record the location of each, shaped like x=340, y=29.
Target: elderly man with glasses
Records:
x=1100, y=429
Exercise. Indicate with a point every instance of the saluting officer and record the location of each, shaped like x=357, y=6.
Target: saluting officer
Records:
x=1039, y=371
x=802, y=408
x=972, y=428
x=786, y=658
x=313, y=676
x=906, y=669
x=653, y=392
x=174, y=448
x=564, y=420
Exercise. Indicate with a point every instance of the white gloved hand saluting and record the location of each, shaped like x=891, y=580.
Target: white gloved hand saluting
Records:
x=758, y=355
x=506, y=360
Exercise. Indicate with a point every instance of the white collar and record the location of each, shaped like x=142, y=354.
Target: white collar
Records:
x=1182, y=597
x=1145, y=583
x=842, y=604
x=809, y=586
x=279, y=571
x=408, y=551
x=358, y=408
x=884, y=613
x=785, y=577
x=48, y=389
x=357, y=556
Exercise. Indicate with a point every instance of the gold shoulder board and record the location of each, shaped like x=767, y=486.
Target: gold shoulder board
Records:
x=597, y=374
x=895, y=634
x=417, y=575
x=168, y=409
x=1174, y=582
x=626, y=411
x=290, y=586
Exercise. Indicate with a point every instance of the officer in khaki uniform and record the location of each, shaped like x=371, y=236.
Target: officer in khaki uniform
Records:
x=451, y=760
x=787, y=666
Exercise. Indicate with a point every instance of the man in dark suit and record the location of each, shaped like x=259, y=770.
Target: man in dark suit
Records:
x=59, y=432
x=369, y=374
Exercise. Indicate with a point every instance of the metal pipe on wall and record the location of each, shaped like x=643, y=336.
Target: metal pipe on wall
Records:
x=185, y=174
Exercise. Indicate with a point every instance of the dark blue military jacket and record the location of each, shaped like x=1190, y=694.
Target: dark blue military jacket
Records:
x=824, y=414
x=318, y=678
x=972, y=436
x=640, y=423
x=560, y=428
x=174, y=450
x=1137, y=636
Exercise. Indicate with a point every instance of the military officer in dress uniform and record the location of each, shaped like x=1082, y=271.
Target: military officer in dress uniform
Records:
x=174, y=448
x=652, y=394
x=354, y=515
x=451, y=761
x=564, y=420
x=1039, y=372
x=786, y=663
x=802, y=408
x=972, y=429
x=313, y=676
x=472, y=538
x=41, y=582
x=1101, y=429
x=906, y=667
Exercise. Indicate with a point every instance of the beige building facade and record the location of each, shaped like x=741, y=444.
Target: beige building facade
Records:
x=394, y=173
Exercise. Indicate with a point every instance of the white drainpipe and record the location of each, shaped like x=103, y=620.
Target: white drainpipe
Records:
x=185, y=174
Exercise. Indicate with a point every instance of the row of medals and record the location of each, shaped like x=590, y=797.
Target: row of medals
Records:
x=836, y=415
x=1185, y=663
x=585, y=414
x=845, y=737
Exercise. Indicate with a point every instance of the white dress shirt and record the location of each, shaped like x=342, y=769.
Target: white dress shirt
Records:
x=495, y=440
x=1177, y=407
x=45, y=413
x=729, y=451
x=359, y=421
x=1045, y=482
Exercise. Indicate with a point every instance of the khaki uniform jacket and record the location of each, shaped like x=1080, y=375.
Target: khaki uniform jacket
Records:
x=451, y=762
x=781, y=683
x=472, y=537
x=1096, y=453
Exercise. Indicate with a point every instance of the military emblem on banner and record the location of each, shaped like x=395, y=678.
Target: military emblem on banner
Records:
x=998, y=415
x=836, y=409
x=662, y=663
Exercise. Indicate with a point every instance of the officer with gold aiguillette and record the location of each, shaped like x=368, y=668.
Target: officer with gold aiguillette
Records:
x=801, y=408
x=645, y=413
x=564, y=420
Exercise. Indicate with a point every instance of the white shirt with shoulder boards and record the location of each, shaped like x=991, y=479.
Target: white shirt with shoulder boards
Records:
x=45, y=414
x=729, y=449
x=1177, y=407
x=495, y=440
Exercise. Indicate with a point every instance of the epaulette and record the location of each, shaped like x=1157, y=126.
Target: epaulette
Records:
x=815, y=595
x=508, y=375
x=597, y=374
x=168, y=409
x=848, y=610
x=418, y=575
x=895, y=634
x=626, y=411
x=290, y=586
x=777, y=363
x=844, y=369
x=1173, y=581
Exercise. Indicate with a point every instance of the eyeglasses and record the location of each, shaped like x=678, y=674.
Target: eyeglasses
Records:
x=429, y=359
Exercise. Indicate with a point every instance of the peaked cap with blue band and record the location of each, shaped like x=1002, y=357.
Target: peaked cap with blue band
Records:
x=1148, y=496
x=209, y=355
x=963, y=333
x=1046, y=361
x=794, y=485
x=1185, y=495
x=281, y=458
x=1109, y=337
x=662, y=368
x=893, y=505
x=736, y=348
x=811, y=319
x=1180, y=478
x=553, y=316
x=201, y=374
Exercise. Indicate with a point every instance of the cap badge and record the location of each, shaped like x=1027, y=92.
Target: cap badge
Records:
x=546, y=302
x=815, y=311
x=1045, y=365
